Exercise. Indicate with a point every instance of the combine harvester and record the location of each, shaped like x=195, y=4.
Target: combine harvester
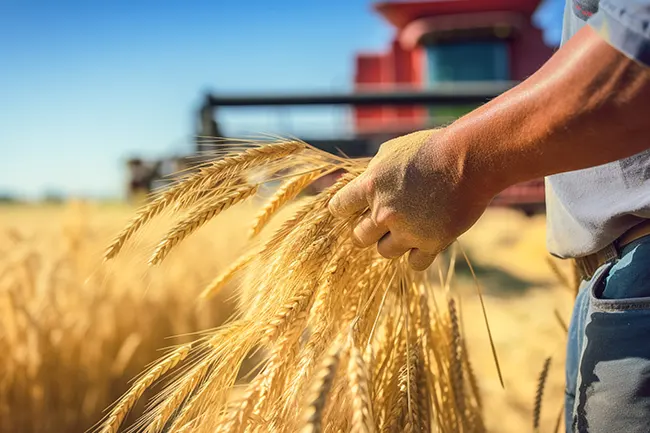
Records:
x=446, y=57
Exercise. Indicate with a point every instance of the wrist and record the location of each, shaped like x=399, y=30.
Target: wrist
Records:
x=479, y=164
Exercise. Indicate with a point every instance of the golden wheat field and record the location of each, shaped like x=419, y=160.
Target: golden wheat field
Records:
x=74, y=331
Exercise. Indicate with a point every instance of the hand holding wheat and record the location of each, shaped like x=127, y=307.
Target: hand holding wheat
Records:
x=352, y=341
x=420, y=196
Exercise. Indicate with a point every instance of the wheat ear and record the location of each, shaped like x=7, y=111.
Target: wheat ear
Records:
x=362, y=419
x=224, y=369
x=318, y=203
x=321, y=331
x=287, y=192
x=395, y=417
x=125, y=404
x=199, y=217
x=539, y=394
x=217, y=173
x=456, y=361
x=423, y=394
x=320, y=390
x=143, y=216
x=176, y=395
x=249, y=406
x=414, y=416
x=224, y=278
x=184, y=192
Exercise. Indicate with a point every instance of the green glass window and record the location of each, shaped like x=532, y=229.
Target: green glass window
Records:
x=468, y=61
x=465, y=61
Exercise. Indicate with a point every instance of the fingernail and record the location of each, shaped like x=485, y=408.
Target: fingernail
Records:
x=332, y=204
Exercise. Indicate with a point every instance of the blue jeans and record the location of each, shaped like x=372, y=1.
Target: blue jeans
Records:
x=608, y=350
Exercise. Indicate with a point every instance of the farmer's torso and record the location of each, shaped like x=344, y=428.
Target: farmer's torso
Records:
x=588, y=209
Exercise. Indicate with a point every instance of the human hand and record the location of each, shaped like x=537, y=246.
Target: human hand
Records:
x=419, y=195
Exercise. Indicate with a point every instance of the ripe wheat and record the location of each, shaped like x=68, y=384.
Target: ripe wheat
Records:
x=539, y=394
x=352, y=341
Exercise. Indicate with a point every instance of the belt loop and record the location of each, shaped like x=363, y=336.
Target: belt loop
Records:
x=609, y=253
x=588, y=265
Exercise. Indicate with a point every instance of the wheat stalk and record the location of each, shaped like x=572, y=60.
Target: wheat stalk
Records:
x=311, y=298
x=558, y=419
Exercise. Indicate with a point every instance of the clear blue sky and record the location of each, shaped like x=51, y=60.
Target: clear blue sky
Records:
x=86, y=84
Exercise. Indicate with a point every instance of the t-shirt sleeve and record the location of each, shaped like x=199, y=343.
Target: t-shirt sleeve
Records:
x=625, y=24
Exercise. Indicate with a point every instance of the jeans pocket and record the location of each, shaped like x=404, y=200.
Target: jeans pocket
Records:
x=627, y=281
x=624, y=284
x=614, y=373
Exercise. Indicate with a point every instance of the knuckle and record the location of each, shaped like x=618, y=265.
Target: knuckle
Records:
x=368, y=183
x=387, y=216
x=368, y=222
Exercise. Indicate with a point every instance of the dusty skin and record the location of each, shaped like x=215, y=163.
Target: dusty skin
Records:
x=412, y=188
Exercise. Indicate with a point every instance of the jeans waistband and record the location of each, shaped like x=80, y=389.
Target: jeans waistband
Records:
x=629, y=247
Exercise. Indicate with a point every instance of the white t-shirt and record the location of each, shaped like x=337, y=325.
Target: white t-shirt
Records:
x=589, y=209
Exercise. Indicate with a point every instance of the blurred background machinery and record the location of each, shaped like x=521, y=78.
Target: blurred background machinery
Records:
x=446, y=57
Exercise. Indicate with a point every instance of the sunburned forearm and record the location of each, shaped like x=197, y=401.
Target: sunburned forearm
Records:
x=588, y=105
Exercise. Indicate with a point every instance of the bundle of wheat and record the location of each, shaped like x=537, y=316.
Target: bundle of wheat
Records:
x=350, y=341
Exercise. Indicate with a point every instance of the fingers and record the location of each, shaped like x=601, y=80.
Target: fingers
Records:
x=349, y=200
x=367, y=232
x=390, y=247
x=420, y=260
